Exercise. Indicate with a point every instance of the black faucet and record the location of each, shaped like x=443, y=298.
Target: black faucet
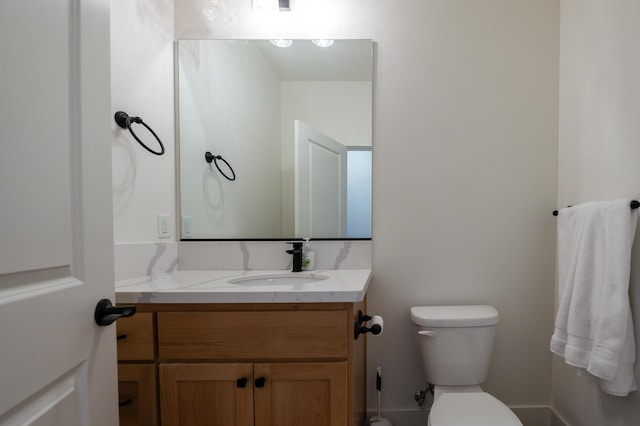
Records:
x=297, y=256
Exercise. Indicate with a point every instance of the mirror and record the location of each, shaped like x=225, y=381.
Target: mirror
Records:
x=292, y=125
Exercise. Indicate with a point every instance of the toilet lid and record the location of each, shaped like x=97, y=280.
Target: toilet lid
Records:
x=471, y=408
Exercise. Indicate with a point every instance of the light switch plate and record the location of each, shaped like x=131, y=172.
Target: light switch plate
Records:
x=186, y=227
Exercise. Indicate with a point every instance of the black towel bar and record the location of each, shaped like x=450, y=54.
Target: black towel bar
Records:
x=634, y=204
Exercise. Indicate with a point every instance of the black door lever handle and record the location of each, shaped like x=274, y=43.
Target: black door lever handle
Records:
x=106, y=313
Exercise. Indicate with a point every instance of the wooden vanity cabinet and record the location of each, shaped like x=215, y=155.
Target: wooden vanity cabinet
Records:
x=137, y=377
x=258, y=364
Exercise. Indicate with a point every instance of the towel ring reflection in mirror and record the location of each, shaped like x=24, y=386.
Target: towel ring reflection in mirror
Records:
x=209, y=157
x=124, y=120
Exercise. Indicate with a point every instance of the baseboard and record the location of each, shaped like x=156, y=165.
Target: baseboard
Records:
x=536, y=415
x=539, y=415
x=416, y=417
x=556, y=420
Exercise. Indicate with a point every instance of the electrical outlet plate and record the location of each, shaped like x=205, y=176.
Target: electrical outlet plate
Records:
x=186, y=227
x=164, y=225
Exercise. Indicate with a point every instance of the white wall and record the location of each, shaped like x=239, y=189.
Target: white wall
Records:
x=339, y=109
x=465, y=160
x=142, y=85
x=598, y=159
x=230, y=106
x=465, y=169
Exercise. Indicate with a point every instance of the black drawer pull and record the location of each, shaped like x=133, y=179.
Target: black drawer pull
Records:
x=241, y=382
x=125, y=403
x=260, y=382
x=121, y=337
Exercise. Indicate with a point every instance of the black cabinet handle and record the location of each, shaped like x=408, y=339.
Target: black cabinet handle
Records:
x=121, y=337
x=105, y=313
x=125, y=403
x=241, y=382
x=260, y=382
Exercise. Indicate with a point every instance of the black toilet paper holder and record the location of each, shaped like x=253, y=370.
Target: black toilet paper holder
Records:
x=359, y=329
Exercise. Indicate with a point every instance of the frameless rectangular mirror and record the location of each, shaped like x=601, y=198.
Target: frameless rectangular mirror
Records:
x=288, y=132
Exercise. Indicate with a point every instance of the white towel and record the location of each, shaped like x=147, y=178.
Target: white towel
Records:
x=593, y=328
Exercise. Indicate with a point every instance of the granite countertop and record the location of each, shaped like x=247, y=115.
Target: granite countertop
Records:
x=340, y=285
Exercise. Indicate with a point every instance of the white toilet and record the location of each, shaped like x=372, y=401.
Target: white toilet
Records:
x=455, y=344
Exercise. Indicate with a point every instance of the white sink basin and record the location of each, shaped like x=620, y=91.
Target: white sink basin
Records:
x=295, y=278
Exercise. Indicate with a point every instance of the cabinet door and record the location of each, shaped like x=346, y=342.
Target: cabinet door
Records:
x=206, y=394
x=301, y=394
x=137, y=394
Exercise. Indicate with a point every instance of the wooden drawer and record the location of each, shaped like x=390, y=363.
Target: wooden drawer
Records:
x=137, y=394
x=136, y=337
x=253, y=335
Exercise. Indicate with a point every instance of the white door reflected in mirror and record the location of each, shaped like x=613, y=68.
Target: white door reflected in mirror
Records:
x=320, y=184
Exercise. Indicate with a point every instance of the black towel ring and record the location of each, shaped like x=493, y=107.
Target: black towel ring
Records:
x=124, y=120
x=209, y=157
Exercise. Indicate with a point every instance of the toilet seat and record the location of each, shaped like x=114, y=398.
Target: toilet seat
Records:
x=471, y=409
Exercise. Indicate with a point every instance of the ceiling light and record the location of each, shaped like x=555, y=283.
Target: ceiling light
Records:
x=323, y=42
x=282, y=42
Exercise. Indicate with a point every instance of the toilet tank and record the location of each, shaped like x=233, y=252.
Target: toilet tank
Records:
x=455, y=342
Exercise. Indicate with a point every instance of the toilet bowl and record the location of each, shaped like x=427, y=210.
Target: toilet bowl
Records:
x=470, y=409
x=455, y=344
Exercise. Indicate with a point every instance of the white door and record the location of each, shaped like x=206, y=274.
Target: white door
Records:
x=56, y=261
x=320, y=184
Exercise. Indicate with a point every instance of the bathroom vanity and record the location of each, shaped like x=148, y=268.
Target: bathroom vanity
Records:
x=242, y=348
